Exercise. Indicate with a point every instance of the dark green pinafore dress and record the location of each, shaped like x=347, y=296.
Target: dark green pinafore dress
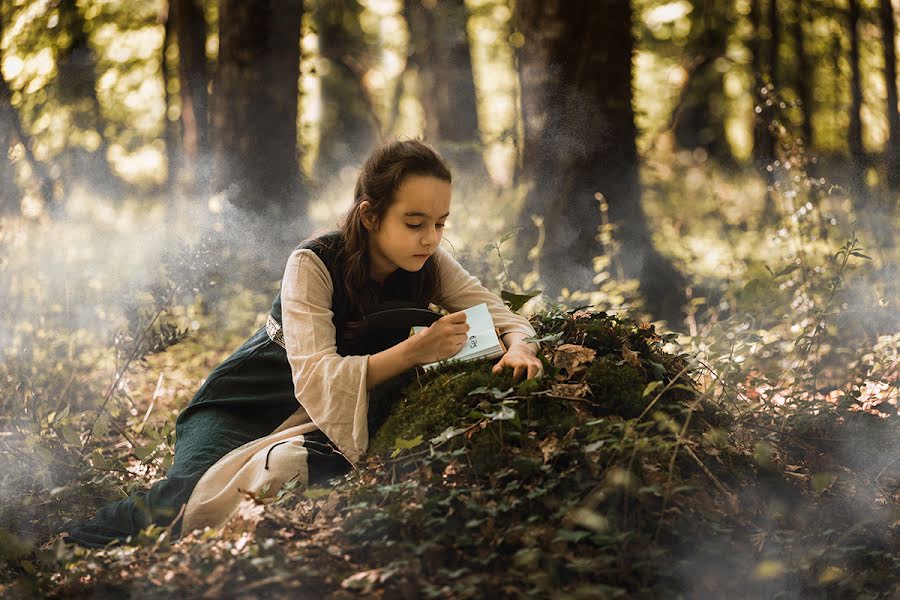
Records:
x=247, y=397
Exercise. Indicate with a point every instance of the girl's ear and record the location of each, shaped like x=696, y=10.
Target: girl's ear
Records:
x=365, y=216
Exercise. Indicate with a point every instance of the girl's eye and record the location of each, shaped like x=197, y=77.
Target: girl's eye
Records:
x=411, y=226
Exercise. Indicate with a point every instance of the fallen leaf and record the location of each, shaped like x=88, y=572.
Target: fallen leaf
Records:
x=631, y=357
x=548, y=447
x=570, y=390
x=572, y=358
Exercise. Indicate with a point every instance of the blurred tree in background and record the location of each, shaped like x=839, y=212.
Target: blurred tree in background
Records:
x=262, y=105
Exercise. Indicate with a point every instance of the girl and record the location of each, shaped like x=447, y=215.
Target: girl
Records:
x=292, y=403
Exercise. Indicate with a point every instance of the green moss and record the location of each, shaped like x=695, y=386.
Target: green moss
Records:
x=437, y=400
x=618, y=386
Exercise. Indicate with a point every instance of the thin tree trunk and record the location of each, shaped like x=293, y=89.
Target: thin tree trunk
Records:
x=763, y=139
x=575, y=69
x=441, y=56
x=193, y=74
x=171, y=130
x=774, y=20
x=854, y=132
x=888, y=37
x=10, y=194
x=804, y=73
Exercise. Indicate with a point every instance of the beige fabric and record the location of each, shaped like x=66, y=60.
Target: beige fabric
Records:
x=330, y=388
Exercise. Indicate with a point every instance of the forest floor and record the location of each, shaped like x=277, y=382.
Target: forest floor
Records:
x=754, y=455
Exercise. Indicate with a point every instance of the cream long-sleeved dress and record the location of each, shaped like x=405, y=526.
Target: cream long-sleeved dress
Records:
x=330, y=389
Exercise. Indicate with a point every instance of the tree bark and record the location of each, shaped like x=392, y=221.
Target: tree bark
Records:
x=440, y=53
x=11, y=131
x=854, y=132
x=171, y=131
x=575, y=69
x=77, y=84
x=349, y=127
x=193, y=75
x=774, y=45
x=888, y=37
x=764, y=145
x=804, y=73
x=698, y=120
x=255, y=114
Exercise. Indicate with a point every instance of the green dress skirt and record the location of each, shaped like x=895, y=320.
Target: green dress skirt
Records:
x=245, y=398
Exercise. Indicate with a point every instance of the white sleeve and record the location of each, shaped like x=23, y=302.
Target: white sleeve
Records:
x=461, y=290
x=330, y=387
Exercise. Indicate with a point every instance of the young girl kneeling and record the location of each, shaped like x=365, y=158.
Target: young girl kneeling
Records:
x=292, y=403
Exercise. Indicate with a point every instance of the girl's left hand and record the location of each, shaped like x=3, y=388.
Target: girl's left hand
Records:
x=522, y=360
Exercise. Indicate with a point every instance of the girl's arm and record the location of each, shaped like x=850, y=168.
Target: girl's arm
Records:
x=460, y=290
x=330, y=387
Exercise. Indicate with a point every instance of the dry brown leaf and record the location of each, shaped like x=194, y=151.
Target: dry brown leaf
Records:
x=571, y=358
x=570, y=390
x=548, y=447
x=631, y=357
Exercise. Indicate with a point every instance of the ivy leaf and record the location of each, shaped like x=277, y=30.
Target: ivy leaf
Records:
x=505, y=413
x=551, y=337
x=517, y=301
x=447, y=434
x=401, y=444
x=648, y=389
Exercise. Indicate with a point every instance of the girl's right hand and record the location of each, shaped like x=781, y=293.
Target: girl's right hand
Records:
x=444, y=338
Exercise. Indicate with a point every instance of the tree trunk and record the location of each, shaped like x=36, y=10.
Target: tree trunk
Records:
x=575, y=69
x=439, y=51
x=804, y=73
x=171, y=131
x=854, y=132
x=765, y=107
x=349, y=127
x=699, y=118
x=888, y=37
x=255, y=116
x=190, y=32
x=77, y=84
x=774, y=21
x=12, y=131
x=10, y=193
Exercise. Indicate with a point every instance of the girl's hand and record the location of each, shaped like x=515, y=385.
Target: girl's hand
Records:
x=520, y=357
x=444, y=338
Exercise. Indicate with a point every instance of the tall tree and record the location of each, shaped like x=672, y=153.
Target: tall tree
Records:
x=193, y=75
x=255, y=109
x=699, y=117
x=804, y=72
x=12, y=132
x=10, y=194
x=77, y=85
x=888, y=40
x=575, y=69
x=349, y=128
x=764, y=142
x=854, y=132
x=440, y=54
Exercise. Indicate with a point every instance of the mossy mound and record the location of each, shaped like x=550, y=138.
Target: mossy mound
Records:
x=595, y=364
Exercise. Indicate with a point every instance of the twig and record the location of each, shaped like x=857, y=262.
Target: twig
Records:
x=716, y=481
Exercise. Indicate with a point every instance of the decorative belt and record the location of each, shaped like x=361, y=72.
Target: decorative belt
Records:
x=273, y=328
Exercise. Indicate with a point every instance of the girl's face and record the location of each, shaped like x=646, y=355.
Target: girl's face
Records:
x=411, y=228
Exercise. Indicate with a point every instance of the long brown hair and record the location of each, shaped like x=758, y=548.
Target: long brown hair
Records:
x=379, y=179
